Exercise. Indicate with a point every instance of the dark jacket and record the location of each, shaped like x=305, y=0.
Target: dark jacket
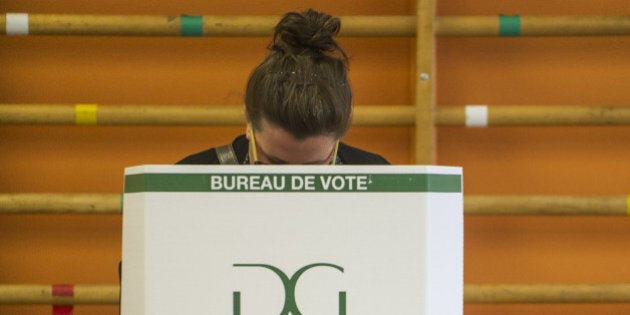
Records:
x=346, y=153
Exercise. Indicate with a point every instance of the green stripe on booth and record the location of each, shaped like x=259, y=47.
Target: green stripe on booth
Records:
x=443, y=183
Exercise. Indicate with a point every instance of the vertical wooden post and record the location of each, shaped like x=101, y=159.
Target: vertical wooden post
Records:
x=424, y=146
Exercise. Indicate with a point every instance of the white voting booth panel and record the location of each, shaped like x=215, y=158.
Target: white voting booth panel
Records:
x=312, y=240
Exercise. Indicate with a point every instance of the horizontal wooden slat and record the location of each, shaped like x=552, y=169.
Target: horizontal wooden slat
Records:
x=546, y=205
x=212, y=25
x=539, y=115
x=216, y=115
x=473, y=293
x=352, y=26
x=50, y=203
x=364, y=115
x=26, y=294
x=473, y=204
x=547, y=293
x=532, y=25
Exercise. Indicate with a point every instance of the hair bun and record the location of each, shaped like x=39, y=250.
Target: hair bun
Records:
x=310, y=31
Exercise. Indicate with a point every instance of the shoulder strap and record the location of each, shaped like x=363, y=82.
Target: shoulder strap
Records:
x=226, y=154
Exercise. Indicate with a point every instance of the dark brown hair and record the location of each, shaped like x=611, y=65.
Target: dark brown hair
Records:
x=302, y=85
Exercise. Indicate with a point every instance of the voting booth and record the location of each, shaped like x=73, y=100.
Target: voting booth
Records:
x=257, y=240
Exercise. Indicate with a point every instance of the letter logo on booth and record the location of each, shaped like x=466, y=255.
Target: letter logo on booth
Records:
x=290, y=306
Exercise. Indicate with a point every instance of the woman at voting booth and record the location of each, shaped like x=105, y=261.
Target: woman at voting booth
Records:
x=298, y=101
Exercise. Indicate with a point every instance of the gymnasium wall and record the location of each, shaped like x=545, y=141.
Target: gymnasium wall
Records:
x=85, y=249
